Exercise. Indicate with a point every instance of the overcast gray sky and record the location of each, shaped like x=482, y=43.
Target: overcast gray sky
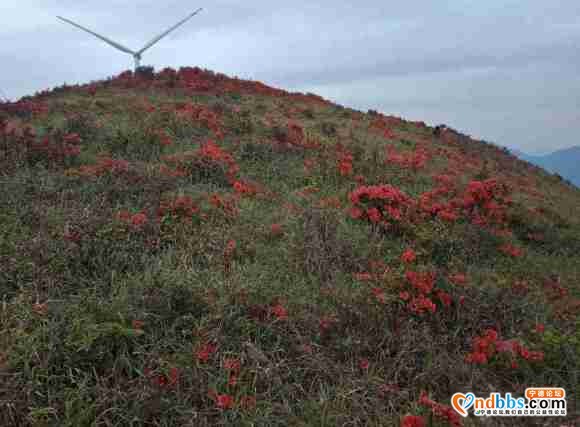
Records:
x=501, y=70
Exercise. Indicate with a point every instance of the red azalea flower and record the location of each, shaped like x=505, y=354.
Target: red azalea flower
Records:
x=444, y=297
x=394, y=213
x=408, y=256
x=423, y=282
x=448, y=215
x=139, y=219
x=477, y=358
x=364, y=364
x=276, y=229
x=421, y=304
x=205, y=351
x=280, y=312
x=162, y=380
x=232, y=364
x=440, y=411
x=379, y=295
x=325, y=323
x=491, y=334
x=374, y=215
x=224, y=401
x=230, y=247
x=413, y=421
x=355, y=213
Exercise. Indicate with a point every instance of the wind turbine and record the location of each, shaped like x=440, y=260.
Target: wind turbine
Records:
x=136, y=54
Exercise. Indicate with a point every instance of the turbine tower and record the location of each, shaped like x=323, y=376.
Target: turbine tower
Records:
x=136, y=54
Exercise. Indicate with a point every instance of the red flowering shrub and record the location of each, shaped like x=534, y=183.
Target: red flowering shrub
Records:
x=511, y=250
x=279, y=312
x=276, y=229
x=423, y=294
x=422, y=282
x=164, y=380
x=182, y=207
x=139, y=220
x=227, y=205
x=381, y=126
x=413, y=421
x=379, y=294
x=210, y=161
x=443, y=412
x=345, y=164
x=205, y=351
x=53, y=149
x=232, y=367
x=201, y=114
x=104, y=166
x=414, y=160
x=408, y=256
x=222, y=401
x=380, y=204
x=364, y=364
x=245, y=188
x=487, y=346
x=487, y=201
x=421, y=304
x=135, y=221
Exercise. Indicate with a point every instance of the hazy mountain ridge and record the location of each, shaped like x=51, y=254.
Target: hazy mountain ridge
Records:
x=565, y=162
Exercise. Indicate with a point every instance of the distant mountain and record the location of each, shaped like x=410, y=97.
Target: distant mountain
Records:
x=565, y=162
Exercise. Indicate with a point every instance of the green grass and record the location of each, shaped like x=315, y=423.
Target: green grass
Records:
x=98, y=313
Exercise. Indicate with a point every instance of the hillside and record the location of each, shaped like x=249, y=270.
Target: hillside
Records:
x=185, y=248
x=563, y=162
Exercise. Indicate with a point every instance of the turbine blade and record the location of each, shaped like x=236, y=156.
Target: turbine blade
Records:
x=159, y=37
x=103, y=38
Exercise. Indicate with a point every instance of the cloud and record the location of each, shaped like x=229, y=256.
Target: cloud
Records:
x=504, y=70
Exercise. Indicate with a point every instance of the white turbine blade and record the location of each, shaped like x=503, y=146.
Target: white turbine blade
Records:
x=159, y=37
x=103, y=38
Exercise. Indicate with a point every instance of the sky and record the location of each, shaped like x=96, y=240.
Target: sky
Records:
x=503, y=71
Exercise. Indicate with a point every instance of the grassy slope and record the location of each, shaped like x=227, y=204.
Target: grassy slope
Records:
x=116, y=313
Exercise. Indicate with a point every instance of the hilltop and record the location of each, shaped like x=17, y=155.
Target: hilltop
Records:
x=185, y=248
